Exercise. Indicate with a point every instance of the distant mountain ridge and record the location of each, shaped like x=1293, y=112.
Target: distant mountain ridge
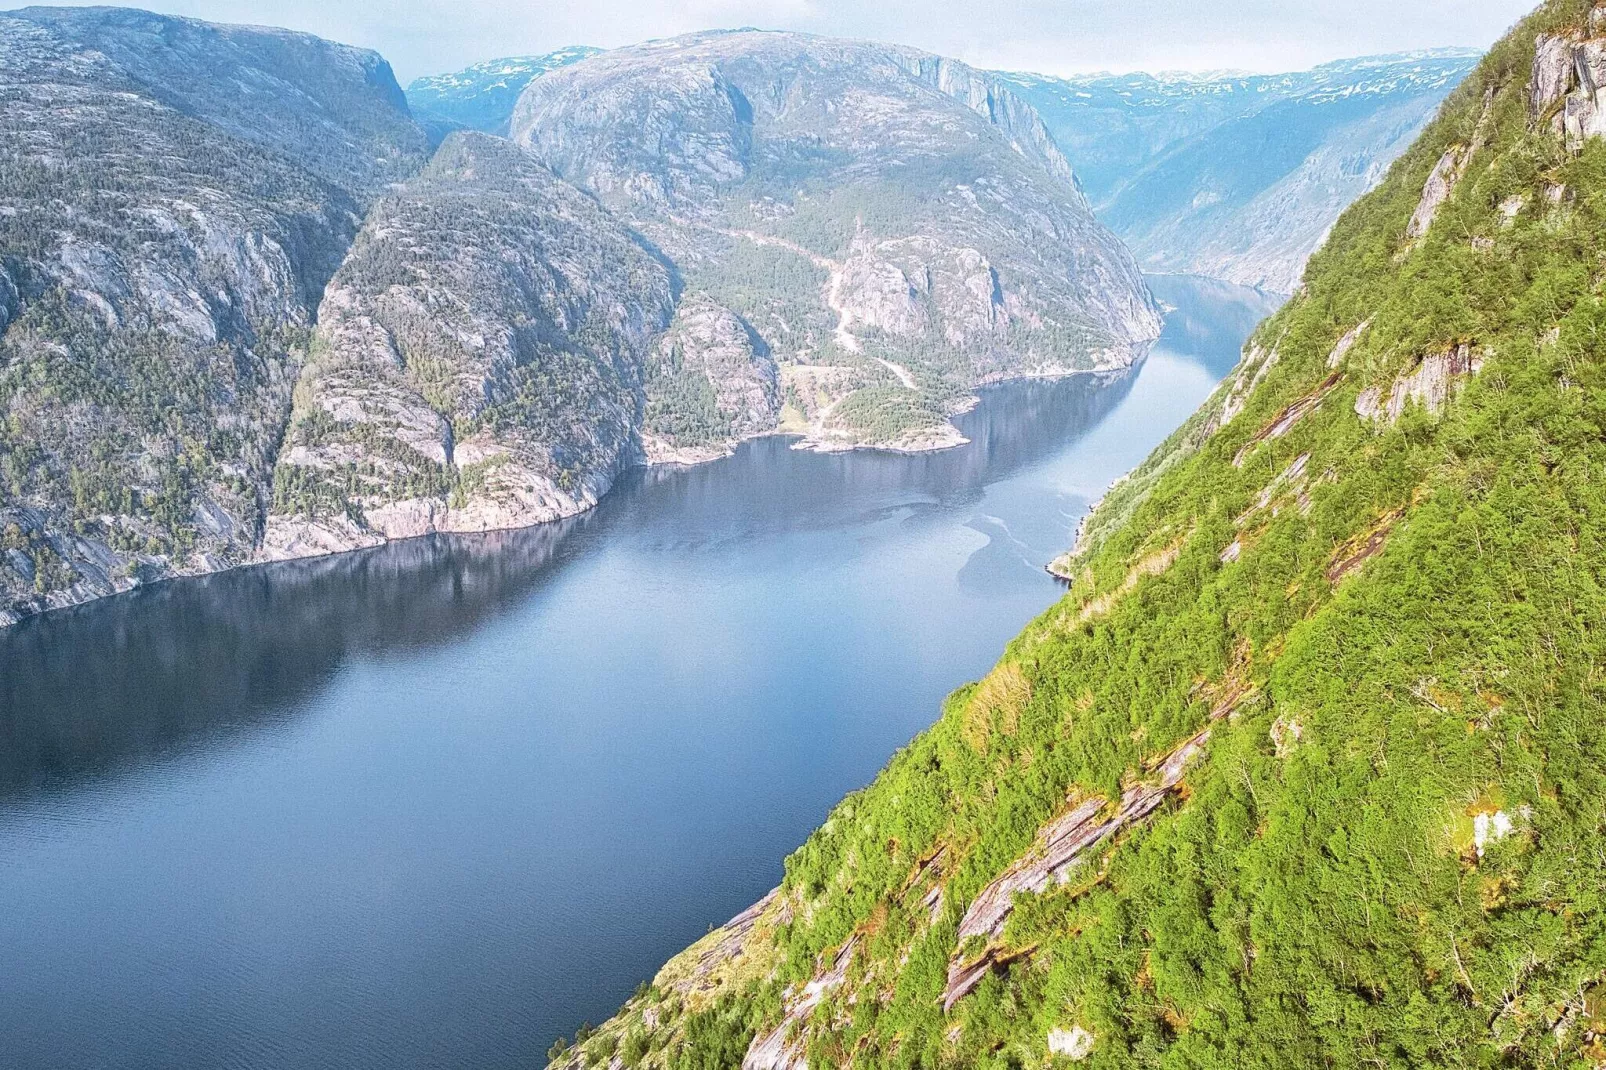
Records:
x=1226, y=174
x=481, y=97
x=1239, y=177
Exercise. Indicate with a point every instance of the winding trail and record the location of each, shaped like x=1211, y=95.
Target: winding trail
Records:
x=900, y=371
x=833, y=298
x=833, y=290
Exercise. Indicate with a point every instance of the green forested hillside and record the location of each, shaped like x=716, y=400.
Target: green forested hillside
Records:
x=1308, y=766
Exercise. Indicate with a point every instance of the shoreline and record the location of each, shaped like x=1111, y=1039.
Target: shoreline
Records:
x=10, y=618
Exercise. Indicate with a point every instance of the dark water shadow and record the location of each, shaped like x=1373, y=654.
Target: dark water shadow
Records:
x=97, y=689
x=88, y=690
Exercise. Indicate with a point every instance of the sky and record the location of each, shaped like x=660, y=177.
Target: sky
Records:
x=1049, y=36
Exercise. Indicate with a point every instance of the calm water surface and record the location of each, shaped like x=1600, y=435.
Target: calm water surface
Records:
x=431, y=805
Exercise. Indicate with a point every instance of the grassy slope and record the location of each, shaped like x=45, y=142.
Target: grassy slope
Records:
x=1318, y=903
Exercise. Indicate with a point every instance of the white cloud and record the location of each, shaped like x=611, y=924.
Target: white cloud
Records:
x=1055, y=36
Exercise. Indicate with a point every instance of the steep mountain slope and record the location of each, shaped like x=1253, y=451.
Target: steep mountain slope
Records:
x=1232, y=176
x=1240, y=177
x=896, y=227
x=482, y=97
x=174, y=197
x=477, y=363
x=1307, y=767
x=333, y=109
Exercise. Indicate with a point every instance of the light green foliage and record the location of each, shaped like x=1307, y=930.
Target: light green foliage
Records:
x=1310, y=899
x=884, y=412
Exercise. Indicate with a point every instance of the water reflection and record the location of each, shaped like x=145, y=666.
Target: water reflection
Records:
x=433, y=804
x=90, y=689
x=1210, y=319
x=191, y=662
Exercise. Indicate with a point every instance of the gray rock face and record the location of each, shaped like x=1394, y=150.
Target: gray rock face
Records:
x=862, y=206
x=478, y=360
x=335, y=110
x=1429, y=384
x=1568, y=90
x=175, y=197
x=1441, y=183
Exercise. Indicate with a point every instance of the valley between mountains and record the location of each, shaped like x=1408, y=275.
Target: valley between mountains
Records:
x=1304, y=767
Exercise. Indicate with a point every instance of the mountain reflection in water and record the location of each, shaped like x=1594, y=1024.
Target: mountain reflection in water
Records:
x=265, y=638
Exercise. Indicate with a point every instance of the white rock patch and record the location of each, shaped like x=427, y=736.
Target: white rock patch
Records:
x=1073, y=1043
x=1490, y=828
x=1440, y=184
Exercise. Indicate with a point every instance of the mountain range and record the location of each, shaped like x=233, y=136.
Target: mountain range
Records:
x=251, y=308
x=1229, y=176
x=1306, y=766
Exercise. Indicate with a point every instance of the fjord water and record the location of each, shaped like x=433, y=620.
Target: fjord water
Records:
x=432, y=805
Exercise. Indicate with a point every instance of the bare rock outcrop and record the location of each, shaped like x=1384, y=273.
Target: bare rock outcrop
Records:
x=782, y=1048
x=1429, y=383
x=1568, y=91
x=1441, y=183
x=717, y=950
x=710, y=382
x=1052, y=861
x=1257, y=363
x=1285, y=420
x=1335, y=359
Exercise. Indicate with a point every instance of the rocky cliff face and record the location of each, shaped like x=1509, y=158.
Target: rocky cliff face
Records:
x=175, y=195
x=897, y=218
x=1568, y=92
x=333, y=109
x=710, y=383
x=1240, y=177
x=478, y=361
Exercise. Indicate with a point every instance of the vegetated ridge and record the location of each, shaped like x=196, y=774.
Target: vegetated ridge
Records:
x=1307, y=768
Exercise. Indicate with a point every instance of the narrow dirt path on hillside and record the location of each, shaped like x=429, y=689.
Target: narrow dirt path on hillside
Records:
x=900, y=371
x=833, y=292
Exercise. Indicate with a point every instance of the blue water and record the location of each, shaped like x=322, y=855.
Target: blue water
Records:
x=434, y=804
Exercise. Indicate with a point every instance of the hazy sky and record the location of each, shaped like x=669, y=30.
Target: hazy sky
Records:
x=1054, y=36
